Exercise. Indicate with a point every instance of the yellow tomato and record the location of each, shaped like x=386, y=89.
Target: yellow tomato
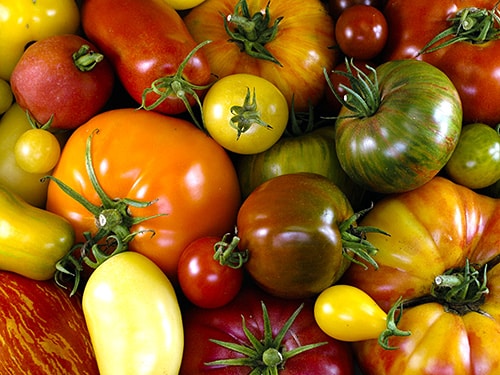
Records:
x=133, y=317
x=37, y=151
x=6, y=96
x=245, y=113
x=183, y=4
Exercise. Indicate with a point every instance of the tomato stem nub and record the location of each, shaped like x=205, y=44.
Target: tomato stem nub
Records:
x=247, y=115
x=392, y=326
x=85, y=59
x=228, y=254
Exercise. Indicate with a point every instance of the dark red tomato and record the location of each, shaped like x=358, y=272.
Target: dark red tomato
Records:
x=226, y=324
x=361, y=32
x=336, y=7
x=204, y=280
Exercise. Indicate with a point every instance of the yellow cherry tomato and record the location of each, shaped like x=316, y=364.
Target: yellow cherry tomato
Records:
x=347, y=313
x=6, y=96
x=183, y=4
x=245, y=113
x=37, y=151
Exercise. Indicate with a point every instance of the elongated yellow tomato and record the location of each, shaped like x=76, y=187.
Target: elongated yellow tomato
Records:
x=133, y=317
x=245, y=113
x=349, y=314
x=32, y=240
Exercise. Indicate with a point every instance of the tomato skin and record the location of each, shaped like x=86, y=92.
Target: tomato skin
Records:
x=239, y=90
x=43, y=330
x=225, y=323
x=37, y=151
x=71, y=97
x=475, y=163
x=147, y=156
x=433, y=229
x=133, y=317
x=305, y=25
x=336, y=7
x=471, y=67
x=203, y=280
x=361, y=32
x=295, y=250
x=152, y=45
x=411, y=136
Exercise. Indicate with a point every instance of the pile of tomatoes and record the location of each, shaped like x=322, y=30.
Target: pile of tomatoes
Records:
x=250, y=187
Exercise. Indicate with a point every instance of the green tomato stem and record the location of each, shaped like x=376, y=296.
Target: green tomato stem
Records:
x=247, y=115
x=392, y=326
x=228, y=254
x=85, y=59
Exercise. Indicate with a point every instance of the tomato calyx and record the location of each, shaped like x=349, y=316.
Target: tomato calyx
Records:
x=473, y=25
x=252, y=32
x=176, y=86
x=228, y=254
x=85, y=59
x=363, y=98
x=246, y=115
x=113, y=223
x=392, y=325
x=354, y=240
x=266, y=356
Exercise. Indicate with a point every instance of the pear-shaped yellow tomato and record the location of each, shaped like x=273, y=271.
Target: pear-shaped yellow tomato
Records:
x=133, y=317
x=347, y=313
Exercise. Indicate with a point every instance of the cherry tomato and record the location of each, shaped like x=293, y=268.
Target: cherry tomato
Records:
x=336, y=7
x=245, y=113
x=361, y=32
x=475, y=163
x=204, y=276
x=37, y=151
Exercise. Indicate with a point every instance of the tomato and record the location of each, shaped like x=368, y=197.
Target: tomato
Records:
x=475, y=163
x=75, y=78
x=37, y=151
x=336, y=7
x=266, y=48
x=402, y=128
x=361, y=32
x=471, y=64
x=150, y=164
x=294, y=227
x=6, y=96
x=289, y=329
x=443, y=235
x=133, y=317
x=307, y=150
x=43, y=331
x=245, y=114
x=183, y=4
x=154, y=56
x=210, y=271
x=28, y=185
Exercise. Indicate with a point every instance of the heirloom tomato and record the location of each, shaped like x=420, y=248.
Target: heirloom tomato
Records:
x=43, y=331
x=442, y=259
x=260, y=334
x=153, y=53
x=398, y=126
x=244, y=113
x=300, y=232
x=287, y=42
x=6, y=96
x=469, y=52
x=133, y=317
x=158, y=177
x=475, y=163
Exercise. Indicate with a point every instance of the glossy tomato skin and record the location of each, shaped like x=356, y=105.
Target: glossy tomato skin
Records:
x=289, y=224
x=433, y=229
x=310, y=152
x=145, y=41
x=306, y=26
x=336, y=7
x=43, y=330
x=411, y=136
x=203, y=280
x=471, y=67
x=225, y=324
x=148, y=156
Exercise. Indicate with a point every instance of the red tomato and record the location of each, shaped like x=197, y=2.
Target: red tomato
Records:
x=148, y=157
x=471, y=66
x=361, y=32
x=226, y=324
x=43, y=331
x=205, y=277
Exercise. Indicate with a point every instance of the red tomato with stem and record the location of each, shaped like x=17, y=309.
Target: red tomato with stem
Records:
x=210, y=271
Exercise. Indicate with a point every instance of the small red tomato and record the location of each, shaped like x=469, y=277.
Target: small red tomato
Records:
x=210, y=271
x=361, y=32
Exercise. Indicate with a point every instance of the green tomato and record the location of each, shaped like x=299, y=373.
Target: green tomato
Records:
x=6, y=96
x=475, y=163
x=244, y=113
x=37, y=151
